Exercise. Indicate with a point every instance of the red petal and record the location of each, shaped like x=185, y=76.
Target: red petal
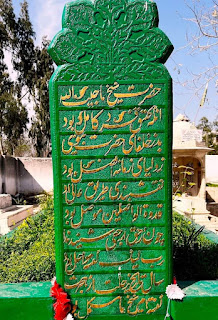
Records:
x=61, y=311
x=62, y=306
x=55, y=290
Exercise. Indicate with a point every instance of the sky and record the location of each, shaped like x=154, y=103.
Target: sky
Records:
x=183, y=66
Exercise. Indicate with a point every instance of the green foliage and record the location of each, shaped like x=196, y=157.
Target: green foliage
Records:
x=40, y=130
x=13, y=114
x=8, y=18
x=194, y=256
x=28, y=253
x=15, y=120
x=33, y=68
x=204, y=125
x=23, y=47
x=209, y=133
x=23, y=149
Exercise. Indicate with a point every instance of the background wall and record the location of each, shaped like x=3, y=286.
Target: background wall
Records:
x=211, y=168
x=29, y=176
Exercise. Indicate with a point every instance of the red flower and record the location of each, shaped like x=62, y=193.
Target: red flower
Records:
x=62, y=306
x=61, y=310
x=55, y=290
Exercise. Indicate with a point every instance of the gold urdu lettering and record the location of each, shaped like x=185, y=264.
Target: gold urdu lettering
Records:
x=93, y=95
x=83, y=118
x=94, y=120
x=66, y=97
x=82, y=213
x=81, y=92
x=91, y=305
x=153, y=93
x=132, y=285
x=133, y=95
x=118, y=97
x=91, y=240
x=131, y=303
x=119, y=142
x=153, y=111
x=110, y=91
x=150, y=261
x=115, y=214
x=135, y=175
x=158, y=306
x=93, y=147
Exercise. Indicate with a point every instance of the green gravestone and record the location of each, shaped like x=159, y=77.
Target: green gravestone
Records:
x=111, y=121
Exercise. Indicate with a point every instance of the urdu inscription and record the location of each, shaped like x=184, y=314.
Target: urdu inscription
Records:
x=111, y=142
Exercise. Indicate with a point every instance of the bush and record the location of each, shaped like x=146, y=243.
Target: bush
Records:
x=194, y=256
x=28, y=253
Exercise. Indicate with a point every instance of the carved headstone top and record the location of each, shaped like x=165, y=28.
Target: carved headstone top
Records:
x=117, y=38
x=111, y=123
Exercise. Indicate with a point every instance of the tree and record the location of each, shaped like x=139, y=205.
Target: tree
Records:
x=205, y=37
x=40, y=130
x=205, y=125
x=8, y=18
x=215, y=125
x=202, y=40
x=209, y=134
x=15, y=123
x=13, y=115
x=215, y=136
x=24, y=58
x=34, y=68
x=5, y=83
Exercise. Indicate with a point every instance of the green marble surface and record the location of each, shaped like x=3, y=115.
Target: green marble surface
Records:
x=111, y=125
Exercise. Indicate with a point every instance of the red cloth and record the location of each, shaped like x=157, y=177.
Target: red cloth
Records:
x=62, y=306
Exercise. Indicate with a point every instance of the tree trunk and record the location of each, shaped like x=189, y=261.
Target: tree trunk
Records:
x=1, y=146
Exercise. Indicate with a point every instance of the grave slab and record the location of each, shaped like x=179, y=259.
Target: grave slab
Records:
x=26, y=301
x=200, y=302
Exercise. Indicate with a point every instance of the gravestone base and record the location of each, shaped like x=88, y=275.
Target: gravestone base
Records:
x=11, y=217
x=200, y=302
x=32, y=301
x=26, y=301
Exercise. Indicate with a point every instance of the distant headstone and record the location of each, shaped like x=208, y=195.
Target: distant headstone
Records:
x=111, y=122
